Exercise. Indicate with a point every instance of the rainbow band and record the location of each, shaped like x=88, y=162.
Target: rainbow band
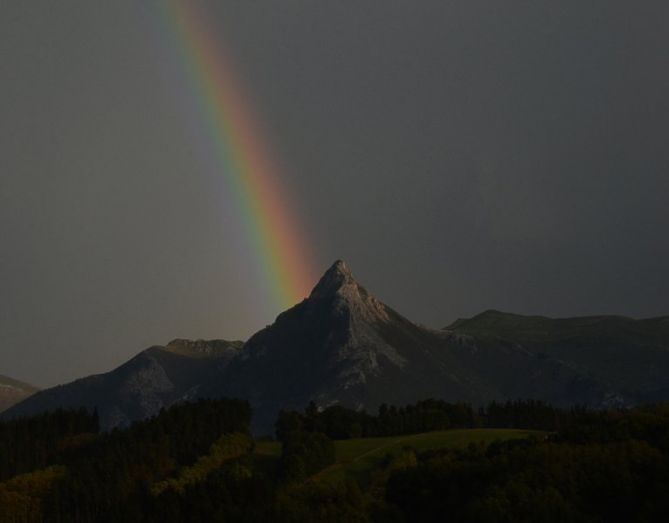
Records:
x=251, y=177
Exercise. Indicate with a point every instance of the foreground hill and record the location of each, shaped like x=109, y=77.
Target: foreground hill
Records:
x=197, y=462
x=13, y=391
x=138, y=389
x=343, y=346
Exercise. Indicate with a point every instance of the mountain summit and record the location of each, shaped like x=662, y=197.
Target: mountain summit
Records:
x=339, y=290
x=334, y=279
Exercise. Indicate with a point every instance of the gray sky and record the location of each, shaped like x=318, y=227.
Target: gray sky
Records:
x=459, y=156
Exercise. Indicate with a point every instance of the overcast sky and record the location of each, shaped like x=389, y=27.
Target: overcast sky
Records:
x=459, y=155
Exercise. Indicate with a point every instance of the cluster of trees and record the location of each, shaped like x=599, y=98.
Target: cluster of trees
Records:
x=338, y=422
x=226, y=448
x=107, y=476
x=241, y=489
x=196, y=462
x=21, y=496
x=33, y=443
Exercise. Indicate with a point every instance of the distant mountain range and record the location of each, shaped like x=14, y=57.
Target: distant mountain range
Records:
x=13, y=391
x=343, y=346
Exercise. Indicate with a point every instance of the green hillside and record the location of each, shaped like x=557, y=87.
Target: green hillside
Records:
x=357, y=457
x=197, y=462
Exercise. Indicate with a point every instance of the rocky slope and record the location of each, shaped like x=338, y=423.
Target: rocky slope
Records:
x=13, y=391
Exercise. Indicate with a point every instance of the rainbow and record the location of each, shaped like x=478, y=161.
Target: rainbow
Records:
x=252, y=178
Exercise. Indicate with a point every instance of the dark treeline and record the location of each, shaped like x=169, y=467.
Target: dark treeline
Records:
x=32, y=443
x=107, y=478
x=341, y=423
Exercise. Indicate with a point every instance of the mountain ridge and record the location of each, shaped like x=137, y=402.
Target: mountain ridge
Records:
x=341, y=345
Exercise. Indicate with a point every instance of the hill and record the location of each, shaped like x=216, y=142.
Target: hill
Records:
x=628, y=357
x=155, y=378
x=197, y=462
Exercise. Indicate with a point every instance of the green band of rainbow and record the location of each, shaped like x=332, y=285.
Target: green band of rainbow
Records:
x=251, y=176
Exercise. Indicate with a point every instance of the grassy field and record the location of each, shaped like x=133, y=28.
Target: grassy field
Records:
x=357, y=457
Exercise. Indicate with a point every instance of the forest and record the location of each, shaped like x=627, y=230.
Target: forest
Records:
x=198, y=462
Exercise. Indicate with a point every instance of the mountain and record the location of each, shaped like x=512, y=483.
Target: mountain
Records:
x=155, y=378
x=13, y=391
x=343, y=346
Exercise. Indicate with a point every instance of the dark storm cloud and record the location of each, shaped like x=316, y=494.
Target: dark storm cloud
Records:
x=459, y=155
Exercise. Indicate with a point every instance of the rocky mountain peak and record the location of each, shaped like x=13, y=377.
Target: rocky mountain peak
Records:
x=340, y=290
x=336, y=277
x=340, y=267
